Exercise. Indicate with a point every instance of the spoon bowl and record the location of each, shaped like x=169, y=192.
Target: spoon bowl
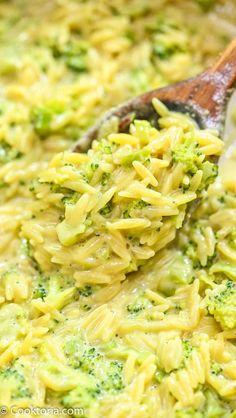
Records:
x=204, y=97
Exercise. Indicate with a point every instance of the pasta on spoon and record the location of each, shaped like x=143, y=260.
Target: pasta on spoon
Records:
x=123, y=201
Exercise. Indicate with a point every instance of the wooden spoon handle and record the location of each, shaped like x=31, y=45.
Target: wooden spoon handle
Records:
x=205, y=96
x=209, y=93
x=226, y=66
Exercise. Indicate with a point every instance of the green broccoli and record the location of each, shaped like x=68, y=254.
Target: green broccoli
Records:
x=88, y=359
x=216, y=368
x=74, y=54
x=187, y=350
x=71, y=198
x=161, y=50
x=179, y=272
x=133, y=208
x=167, y=38
x=85, y=291
x=193, y=160
x=40, y=287
x=83, y=396
x=106, y=209
x=105, y=178
x=210, y=172
x=222, y=304
x=214, y=407
x=13, y=375
x=82, y=356
x=8, y=153
x=140, y=155
x=138, y=306
x=104, y=146
x=189, y=155
x=86, y=307
x=42, y=117
x=113, y=381
x=40, y=292
x=54, y=289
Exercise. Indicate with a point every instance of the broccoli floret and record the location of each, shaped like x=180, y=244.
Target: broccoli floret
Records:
x=71, y=199
x=162, y=51
x=42, y=117
x=7, y=153
x=167, y=39
x=126, y=214
x=82, y=396
x=214, y=407
x=94, y=166
x=138, y=306
x=106, y=209
x=178, y=273
x=216, y=368
x=55, y=290
x=73, y=349
x=140, y=155
x=189, y=155
x=85, y=291
x=70, y=196
x=114, y=380
x=89, y=359
x=187, y=349
x=33, y=185
x=104, y=146
x=210, y=172
x=15, y=377
x=106, y=373
x=40, y=287
x=86, y=307
x=105, y=178
x=192, y=159
x=137, y=205
x=40, y=292
x=11, y=372
x=222, y=304
x=140, y=204
x=74, y=54
x=22, y=392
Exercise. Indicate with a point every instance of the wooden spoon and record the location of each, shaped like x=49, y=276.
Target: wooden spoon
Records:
x=204, y=97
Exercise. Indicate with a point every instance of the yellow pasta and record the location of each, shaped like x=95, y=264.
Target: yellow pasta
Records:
x=117, y=266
